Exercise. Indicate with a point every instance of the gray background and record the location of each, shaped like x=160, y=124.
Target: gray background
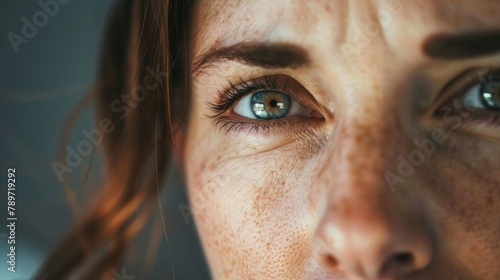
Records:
x=39, y=87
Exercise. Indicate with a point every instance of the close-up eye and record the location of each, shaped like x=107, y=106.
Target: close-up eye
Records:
x=265, y=102
x=484, y=95
x=269, y=104
x=473, y=99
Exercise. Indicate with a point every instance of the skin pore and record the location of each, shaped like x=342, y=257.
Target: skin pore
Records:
x=388, y=166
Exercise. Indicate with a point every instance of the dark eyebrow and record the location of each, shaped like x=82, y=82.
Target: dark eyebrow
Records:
x=265, y=55
x=471, y=44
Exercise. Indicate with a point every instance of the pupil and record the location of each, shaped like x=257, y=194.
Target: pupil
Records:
x=270, y=104
x=490, y=96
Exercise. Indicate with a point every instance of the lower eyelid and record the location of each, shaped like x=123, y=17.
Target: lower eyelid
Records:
x=474, y=121
x=293, y=124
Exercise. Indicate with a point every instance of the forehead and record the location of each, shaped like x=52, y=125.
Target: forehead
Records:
x=225, y=22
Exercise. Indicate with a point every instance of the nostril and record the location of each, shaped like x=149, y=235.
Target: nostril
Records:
x=403, y=259
x=385, y=245
x=398, y=264
x=331, y=261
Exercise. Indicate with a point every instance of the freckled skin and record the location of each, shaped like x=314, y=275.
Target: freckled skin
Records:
x=315, y=203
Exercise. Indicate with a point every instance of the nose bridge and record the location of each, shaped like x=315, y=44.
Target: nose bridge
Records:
x=366, y=229
x=363, y=145
x=366, y=138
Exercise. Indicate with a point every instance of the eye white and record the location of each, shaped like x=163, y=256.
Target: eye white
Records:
x=472, y=98
x=243, y=107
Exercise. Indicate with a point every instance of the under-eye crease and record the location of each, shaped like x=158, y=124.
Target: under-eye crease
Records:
x=474, y=97
x=275, y=101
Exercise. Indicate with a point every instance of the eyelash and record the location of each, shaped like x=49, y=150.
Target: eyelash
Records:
x=478, y=116
x=226, y=98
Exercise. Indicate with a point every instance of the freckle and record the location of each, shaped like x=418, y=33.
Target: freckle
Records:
x=490, y=200
x=327, y=7
x=203, y=165
x=462, y=212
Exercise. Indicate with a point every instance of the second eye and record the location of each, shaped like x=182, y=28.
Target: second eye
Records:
x=269, y=104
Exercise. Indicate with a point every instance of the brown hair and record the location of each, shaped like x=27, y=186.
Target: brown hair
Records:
x=141, y=34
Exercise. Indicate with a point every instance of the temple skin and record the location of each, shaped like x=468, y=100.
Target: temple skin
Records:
x=346, y=196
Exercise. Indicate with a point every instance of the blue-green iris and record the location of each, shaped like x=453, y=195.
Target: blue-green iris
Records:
x=270, y=104
x=490, y=95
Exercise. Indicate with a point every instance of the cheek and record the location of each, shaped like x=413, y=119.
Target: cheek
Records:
x=252, y=210
x=463, y=179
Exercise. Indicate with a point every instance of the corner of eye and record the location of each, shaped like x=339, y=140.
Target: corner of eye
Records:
x=323, y=113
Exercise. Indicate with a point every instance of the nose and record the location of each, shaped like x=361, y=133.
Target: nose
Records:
x=365, y=230
x=374, y=245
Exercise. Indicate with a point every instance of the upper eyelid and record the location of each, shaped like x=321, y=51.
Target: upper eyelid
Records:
x=228, y=96
x=470, y=73
x=280, y=82
x=458, y=86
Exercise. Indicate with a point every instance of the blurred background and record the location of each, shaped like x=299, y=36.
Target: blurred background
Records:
x=43, y=76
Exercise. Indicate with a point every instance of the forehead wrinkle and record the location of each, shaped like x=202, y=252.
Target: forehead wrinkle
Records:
x=284, y=21
x=222, y=22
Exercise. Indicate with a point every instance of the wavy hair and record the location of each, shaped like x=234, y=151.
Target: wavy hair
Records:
x=141, y=36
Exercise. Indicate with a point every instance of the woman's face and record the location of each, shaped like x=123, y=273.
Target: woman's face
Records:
x=346, y=139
